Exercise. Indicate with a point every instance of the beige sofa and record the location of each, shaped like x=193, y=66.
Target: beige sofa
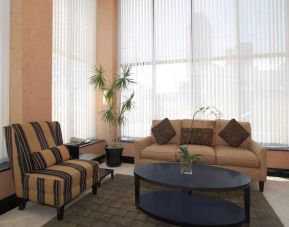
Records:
x=249, y=158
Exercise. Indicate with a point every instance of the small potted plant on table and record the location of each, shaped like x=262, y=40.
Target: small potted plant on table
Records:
x=187, y=159
x=116, y=108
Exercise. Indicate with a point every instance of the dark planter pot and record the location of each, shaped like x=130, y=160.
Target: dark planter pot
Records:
x=113, y=156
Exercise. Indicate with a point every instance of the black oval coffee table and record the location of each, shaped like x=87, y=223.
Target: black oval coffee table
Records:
x=192, y=209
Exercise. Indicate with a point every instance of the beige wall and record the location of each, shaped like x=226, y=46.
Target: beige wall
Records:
x=6, y=184
x=97, y=148
x=106, y=45
x=31, y=57
x=278, y=159
x=31, y=60
x=128, y=149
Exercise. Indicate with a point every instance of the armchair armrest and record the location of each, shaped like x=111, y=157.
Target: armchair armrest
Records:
x=261, y=153
x=139, y=146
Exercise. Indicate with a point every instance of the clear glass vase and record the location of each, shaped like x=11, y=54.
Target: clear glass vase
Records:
x=186, y=167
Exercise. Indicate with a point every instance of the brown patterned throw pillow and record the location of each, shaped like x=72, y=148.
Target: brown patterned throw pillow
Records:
x=199, y=136
x=185, y=133
x=163, y=132
x=234, y=134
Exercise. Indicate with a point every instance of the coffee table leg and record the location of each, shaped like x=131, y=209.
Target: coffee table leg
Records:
x=247, y=203
x=136, y=190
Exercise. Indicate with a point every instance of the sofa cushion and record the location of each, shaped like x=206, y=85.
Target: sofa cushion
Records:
x=233, y=133
x=163, y=131
x=199, y=136
x=58, y=180
x=186, y=123
x=48, y=157
x=208, y=153
x=176, y=124
x=232, y=156
x=219, y=141
x=166, y=152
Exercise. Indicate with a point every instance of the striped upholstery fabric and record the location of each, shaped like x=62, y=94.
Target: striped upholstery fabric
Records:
x=31, y=137
x=56, y=132
x=41, y=165
x=60, y=183
x=48, y=157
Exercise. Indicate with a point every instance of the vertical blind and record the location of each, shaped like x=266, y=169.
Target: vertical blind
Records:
x=74, y=55
x=231, y=54
x=4, y=72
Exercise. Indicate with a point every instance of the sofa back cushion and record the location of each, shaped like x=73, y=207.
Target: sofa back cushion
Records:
x=221, y=124
x=176, y=124
x=186, y=123
x=202, y=133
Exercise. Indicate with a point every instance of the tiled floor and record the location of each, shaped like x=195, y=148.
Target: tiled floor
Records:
x=276, y=192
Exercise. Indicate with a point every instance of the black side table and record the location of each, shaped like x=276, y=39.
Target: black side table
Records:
x=102, y=173
x=75, y=147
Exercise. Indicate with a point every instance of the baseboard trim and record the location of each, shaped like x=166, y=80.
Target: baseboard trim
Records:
x=8, y=203
x=127, y=159
x=274, y=172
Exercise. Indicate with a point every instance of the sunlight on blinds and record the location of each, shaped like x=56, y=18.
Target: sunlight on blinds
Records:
x=74, y=56
x=232, y=54
x=4, y=72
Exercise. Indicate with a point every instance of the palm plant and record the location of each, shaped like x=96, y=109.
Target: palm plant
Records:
x=116, y=107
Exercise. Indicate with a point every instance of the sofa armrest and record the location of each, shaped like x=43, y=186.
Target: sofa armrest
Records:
x=261, y=153
x=139, y=146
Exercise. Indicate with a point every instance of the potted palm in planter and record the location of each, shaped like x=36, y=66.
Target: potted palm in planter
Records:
x=116, y=108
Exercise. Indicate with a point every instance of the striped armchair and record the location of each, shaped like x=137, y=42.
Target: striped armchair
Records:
x=42, y=169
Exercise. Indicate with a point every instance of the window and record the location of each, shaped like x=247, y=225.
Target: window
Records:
x=4, y=73
x=74, y=55
x=232, y=54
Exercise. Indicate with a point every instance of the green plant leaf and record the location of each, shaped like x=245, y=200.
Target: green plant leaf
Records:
x=98, y=79
x=109, y=94
x=120, y=119
x=124, y=79
x=127, y=105
x=109, y=116
x=197, y=158
x=184, y=151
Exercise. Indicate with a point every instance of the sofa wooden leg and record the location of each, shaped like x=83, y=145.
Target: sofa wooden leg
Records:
x=94, y=188
x=261, y=186
x=60, y=213
x=22, y=204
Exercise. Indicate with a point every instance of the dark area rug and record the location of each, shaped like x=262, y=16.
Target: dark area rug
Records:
x=114, y=206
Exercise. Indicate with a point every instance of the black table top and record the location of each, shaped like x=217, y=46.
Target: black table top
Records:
x=203, y=178
x=84, y=144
